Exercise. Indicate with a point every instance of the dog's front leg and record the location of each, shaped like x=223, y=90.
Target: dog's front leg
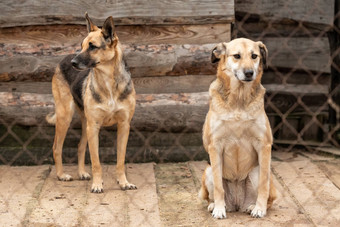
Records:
x=92, y=131
x=264, y=156
x=219, y=210
x=123, y=129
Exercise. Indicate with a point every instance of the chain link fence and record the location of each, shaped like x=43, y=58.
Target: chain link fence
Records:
x=302, y=99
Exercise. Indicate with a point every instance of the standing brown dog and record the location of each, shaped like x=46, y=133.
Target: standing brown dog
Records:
x=102, y=92
x=237, y=134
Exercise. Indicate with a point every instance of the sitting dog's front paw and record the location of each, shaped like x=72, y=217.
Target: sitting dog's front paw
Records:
x=219, y=212
x=211, y=207
x=84, y=176
x=97, y=188
x=65, y=177
x=250, y=208
x=127, y=186
x=258, y=212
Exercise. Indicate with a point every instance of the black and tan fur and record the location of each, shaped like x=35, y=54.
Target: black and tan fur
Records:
x=96, y=83
x=237, y=134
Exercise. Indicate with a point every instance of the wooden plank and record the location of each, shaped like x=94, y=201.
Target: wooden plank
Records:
x=143, y=211
x=332, y=170
x=313, y=191
x=318, y=12
x=58, y=201
x=176, y=189
x=54, y=36
x=190, y=83
x=38, y=64
x=129, y=12
x=20, y=188
x=143, y=85
x=309, y=55
x=164, y=112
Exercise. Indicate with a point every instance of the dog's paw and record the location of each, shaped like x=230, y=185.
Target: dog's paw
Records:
x=250, y=208
x=219, y=212
x=127, y=186
x=84, y=176
x=97, y=188
x=211, y=207
x=65, y=177
x=258, y=212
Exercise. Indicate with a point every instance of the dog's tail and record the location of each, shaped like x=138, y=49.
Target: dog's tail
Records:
x=204, y=193
x=51, y=118
x=272, y=192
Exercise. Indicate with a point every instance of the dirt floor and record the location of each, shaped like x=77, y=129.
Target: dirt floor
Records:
x=308, y=187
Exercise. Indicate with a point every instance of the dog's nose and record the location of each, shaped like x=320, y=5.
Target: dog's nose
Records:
x=74, y=63
x=248, y=73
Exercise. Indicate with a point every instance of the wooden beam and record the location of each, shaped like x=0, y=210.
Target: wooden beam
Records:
x=38, y=63
x=143, y=85
x=61, y=36
x=172, y=112
x=124, y=12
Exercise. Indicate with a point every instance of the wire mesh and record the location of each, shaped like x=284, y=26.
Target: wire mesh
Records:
x=302, y=103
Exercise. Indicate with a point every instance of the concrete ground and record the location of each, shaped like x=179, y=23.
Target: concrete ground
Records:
x=308, y=187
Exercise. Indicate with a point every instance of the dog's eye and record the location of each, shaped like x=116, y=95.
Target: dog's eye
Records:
x=92, y=47
x=253, y=56
x=237, y=56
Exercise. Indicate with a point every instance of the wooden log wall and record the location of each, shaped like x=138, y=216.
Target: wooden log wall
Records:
x=167, y=45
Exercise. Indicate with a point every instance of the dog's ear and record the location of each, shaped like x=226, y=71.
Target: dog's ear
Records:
x=264, y=54
x=90, y=26
x=108, y=29
x=218, y=51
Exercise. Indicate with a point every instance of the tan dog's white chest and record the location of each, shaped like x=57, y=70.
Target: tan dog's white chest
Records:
x=238, y=133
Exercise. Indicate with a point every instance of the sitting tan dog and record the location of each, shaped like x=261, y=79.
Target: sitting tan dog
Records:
x=237, y=133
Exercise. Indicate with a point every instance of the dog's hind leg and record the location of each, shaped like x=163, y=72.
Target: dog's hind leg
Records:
x=83, y=175
x=64, y=106
x=251, y=185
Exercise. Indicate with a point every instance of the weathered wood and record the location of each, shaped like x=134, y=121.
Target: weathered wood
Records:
x=317, y=12
x=42, y=37
x=162, y=112
x=166, y=112
x=38, y=64
x=143, y=85
x=179, y=84
x=129, y=12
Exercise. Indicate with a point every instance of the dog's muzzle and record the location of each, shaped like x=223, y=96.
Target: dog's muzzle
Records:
x=248, y=75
